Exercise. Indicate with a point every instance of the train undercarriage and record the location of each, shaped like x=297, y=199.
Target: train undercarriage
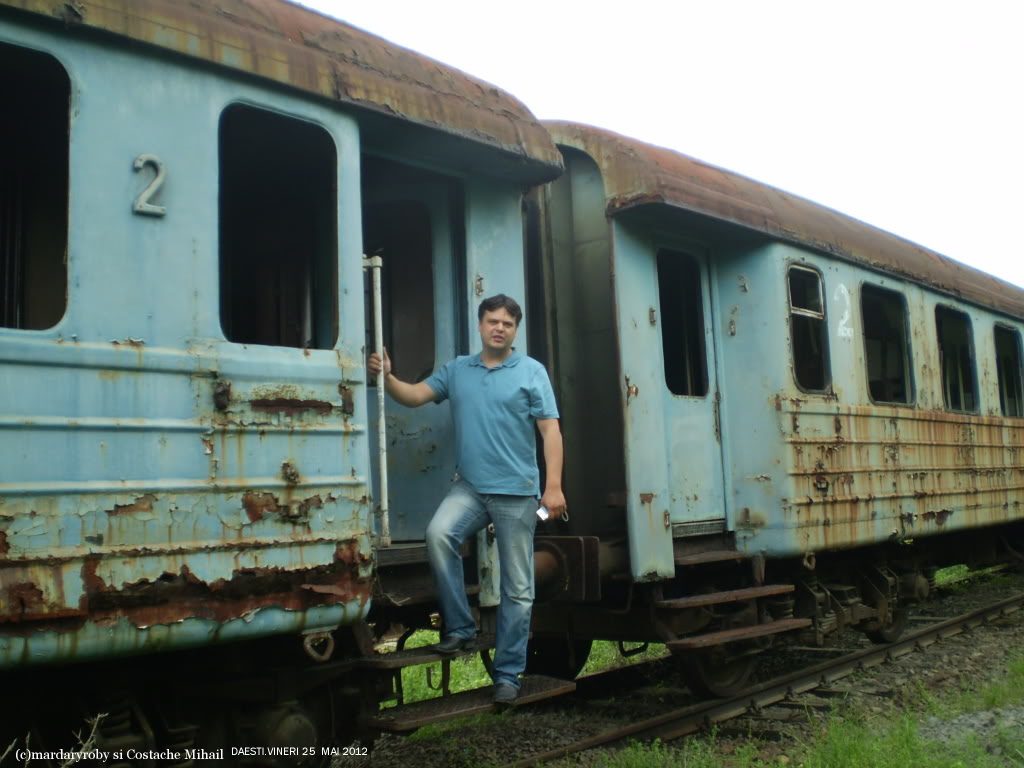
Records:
x=280, y=701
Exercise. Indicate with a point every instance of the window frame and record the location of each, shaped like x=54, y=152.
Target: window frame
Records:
x=703, y=277
x=822, y=316
x=974, y=358
x=1020, y=363
x=908, y=341
x=68, y=119
x=334, y=295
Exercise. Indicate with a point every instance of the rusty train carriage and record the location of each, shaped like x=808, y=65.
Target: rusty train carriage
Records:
x=778, y=386
x=186, y=459
x=849, y=468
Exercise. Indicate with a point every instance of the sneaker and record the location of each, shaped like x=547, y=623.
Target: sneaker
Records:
x=455, y=644
x=505, y=695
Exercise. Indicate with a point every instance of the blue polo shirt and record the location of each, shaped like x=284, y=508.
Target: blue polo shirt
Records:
x=494, y=410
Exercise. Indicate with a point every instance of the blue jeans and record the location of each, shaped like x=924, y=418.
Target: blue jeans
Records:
x=462, y=514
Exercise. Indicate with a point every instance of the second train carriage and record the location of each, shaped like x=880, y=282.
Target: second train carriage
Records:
x=787, y=417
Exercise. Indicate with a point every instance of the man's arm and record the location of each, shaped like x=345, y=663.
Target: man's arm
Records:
x=409, y=395
x=553, y=499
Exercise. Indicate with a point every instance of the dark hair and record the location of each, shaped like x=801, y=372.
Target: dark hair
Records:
x=501, y=301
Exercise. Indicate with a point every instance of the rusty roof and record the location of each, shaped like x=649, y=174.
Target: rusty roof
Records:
x=637, y=174
x=304, y=49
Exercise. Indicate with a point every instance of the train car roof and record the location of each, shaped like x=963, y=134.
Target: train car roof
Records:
x=638, y=174
x=303, y=49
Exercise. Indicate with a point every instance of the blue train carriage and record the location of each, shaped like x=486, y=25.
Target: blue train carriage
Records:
x=186, y=195
x=787, y=417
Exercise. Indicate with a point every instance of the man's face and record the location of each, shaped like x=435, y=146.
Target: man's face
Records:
x=498, y=330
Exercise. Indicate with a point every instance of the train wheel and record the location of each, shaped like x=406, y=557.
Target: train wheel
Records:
x=562, y=657
x=891, y=631
x=714, y=673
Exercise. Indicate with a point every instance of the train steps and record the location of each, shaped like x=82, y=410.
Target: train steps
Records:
x=716, y=598
x=409, y=717
x=712, y=639
x=713, y=556
x=412, y=657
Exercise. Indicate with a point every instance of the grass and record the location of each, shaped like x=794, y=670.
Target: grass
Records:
x=693, y=753
x=954, y=573
x=605, y=655
x=956, y=576
x=855, y=739
x=863, y=743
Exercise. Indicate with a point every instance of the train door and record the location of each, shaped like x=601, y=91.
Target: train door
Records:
x=691, y=395
x=410, y=219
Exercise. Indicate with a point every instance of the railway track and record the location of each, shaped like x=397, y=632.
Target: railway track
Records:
x=686, y=720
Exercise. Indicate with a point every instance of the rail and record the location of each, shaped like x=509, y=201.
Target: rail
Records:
x=680, y=722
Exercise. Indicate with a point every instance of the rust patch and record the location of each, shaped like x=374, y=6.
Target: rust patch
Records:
x=258, y=504
x=632, y=390
x=646, y=498
x=28, y=597
x=290, y=473
x=180, y=597
x=304, y=506
x=290, y=406
x=222, y=395
x=141, y=504
x=348, y=406
x=939, y=516
x=175, y=597
x=91, y=582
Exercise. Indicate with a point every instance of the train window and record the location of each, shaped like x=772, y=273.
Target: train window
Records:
x=34, y=138
x=807, y=329
x=407, y=284
x=682, y=324
x=278, y=230
x=887, y=353
x=956, y=358
x=1008, y=367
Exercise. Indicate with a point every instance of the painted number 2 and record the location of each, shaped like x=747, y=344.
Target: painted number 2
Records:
x=842, y=294
x=142, y=204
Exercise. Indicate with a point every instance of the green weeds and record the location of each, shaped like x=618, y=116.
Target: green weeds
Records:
x=605, y=655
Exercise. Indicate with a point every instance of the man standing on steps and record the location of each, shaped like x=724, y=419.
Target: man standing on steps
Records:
x=496, y=397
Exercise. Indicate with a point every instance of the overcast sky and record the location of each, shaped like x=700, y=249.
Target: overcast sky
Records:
x=907, y=115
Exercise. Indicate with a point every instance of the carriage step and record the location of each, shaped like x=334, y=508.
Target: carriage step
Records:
x=716, y=556
x=408, y=717
x=732, y=596
x=733, y=635
x=412, y=657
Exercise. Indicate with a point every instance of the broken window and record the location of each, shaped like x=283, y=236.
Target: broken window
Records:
x=278, y=230
x=400, y=232
x=887, y=353
x=682, y=324
x=956, y=358
x=1008, y=367
x=807, y=329
x=34, y=132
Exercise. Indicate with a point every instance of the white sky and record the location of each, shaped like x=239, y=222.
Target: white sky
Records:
x=905, y=114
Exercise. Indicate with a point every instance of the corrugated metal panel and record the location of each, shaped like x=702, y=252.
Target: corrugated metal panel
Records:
x=638, y=174
x=303, y=49
x=860, y=474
